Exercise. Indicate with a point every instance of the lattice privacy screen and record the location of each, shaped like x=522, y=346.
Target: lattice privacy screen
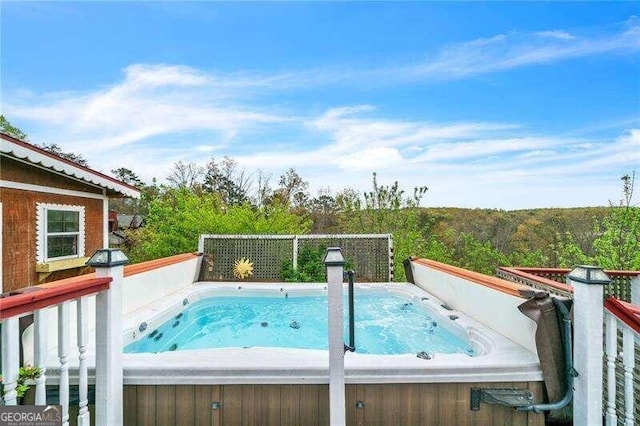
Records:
x=371, y=256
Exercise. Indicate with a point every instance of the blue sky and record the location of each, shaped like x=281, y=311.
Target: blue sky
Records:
x=499, y=105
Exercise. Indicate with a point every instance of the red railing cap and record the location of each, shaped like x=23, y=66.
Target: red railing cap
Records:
x=626, y=312
x=47, y=296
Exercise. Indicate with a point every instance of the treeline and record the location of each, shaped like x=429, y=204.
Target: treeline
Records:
x=224, y=199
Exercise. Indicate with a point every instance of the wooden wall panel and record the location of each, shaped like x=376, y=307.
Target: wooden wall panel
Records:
x=251, y=404
x=146, y=405
x=165, y=405
x=19, y=234
x=290, y=405
x=185, y=404
x=231, y=405
x=389, y=404
x=309, y=403
x=202, y=405
x=271, y=405
x=130, y=405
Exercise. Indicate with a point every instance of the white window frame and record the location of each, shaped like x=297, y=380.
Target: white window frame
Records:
x=42, y=234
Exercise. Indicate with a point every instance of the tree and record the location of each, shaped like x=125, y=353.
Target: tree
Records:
x=8, y=129
x=263, y=190
x=618, y=243
x=185, y=175
x=127, y=176
x=178, y=217
x=231, y=182
x=55, y=149
x=387, y=210
x=323, y=211
x=292, y=189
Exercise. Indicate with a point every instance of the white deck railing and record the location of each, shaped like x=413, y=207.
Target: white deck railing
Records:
x=61, y=297
x=618, y=322
x=621, y=318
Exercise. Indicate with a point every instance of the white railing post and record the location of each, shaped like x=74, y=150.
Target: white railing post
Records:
x=10, y=359
x=628, y=361
x=83, y=382
x=611, y=351
x=295, y=253
x=635, y=290
x=64, y=343
x=40, y=354
x=334, y=261
x=109, y=339
x=588, y=308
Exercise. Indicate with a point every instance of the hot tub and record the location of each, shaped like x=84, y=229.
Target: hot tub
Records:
x=484, y=355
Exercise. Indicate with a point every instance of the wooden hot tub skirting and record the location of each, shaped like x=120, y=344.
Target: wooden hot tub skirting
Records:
x=367, y=404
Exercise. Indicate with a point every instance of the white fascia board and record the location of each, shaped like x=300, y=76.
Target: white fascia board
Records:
x=24, y=153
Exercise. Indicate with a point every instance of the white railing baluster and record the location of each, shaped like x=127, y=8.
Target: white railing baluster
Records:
x=10, y=359
x=64, y=343
x=611, y=351
x=83, y=413
x=628, y=360
x=40, y=354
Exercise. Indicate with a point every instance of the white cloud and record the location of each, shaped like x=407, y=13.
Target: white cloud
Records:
x=514, y=50
x=151, y=100
x=558, y=34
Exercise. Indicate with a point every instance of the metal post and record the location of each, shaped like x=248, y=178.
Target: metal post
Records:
x=587, y=282
x=334, y=261
x=352, y=322
x=109, y=339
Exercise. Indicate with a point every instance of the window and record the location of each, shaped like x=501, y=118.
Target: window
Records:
x=60, y=232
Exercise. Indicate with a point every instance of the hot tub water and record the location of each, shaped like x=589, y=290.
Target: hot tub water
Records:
x=386, y=324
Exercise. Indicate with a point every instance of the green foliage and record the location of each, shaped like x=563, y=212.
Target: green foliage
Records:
x=25, y=374
x=55, y=149
x=178, y=217
x=480, y=256
x=567, y=253
x=387, y=210
x=477, y=239
x=311, y=268
x=8, y=129
x=618, y=243
x=127, y=176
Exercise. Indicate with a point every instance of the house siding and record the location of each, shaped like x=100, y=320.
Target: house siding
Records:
x=17, y=171
x=19, y=231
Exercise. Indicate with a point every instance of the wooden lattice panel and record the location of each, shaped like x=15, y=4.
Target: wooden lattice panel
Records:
x=267, y=256
x=369, y=255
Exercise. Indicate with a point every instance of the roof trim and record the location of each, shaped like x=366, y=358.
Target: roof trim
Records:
x=26, y=151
